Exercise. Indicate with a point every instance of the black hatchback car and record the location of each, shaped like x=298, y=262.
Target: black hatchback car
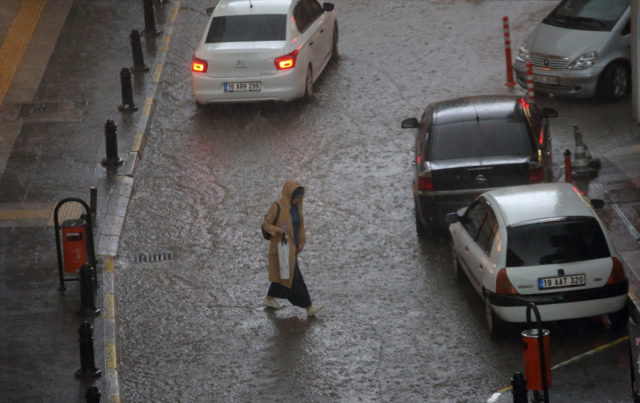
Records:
x=467, y=146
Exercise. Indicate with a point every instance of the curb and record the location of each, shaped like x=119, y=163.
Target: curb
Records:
x=117, y=206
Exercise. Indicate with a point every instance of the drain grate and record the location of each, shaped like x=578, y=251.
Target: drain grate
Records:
x=38, y=109
x=152, y=257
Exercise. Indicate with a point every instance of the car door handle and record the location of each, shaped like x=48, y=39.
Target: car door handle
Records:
x=481, y=267
x=310, y=43
x=322, y=30
x=466, y=249
x=413, y=163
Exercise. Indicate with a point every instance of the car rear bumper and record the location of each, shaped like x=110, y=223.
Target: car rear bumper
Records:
x=580, y=83
x=283, y=86
x=562, y=305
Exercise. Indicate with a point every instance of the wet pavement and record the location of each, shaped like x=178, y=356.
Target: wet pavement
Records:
x=396, y=326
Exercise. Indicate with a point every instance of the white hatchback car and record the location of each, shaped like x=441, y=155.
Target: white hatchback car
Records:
x=260, y=50
x=539, y=243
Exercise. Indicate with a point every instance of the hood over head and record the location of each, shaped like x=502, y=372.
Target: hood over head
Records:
x=287, y=191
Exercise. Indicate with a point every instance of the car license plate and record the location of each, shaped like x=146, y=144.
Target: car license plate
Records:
x=242, y=87
x=563, y=281
x=537, y=78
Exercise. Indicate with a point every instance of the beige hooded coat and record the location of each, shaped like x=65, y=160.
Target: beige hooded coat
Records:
x=276, y=237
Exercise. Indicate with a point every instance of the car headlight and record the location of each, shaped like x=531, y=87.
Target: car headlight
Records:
x=584, y=62
x=523, y=53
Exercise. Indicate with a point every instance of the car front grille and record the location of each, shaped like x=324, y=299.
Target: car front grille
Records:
x=548, y=62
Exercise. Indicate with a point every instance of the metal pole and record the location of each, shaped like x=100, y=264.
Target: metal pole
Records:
x=110, y=134
x=519, y=390
x=87, y=300
x=136, y=51
x=127, y=92
x=149, y=18
x=93, y=395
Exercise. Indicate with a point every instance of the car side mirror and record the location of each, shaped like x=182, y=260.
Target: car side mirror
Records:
x=210, y=10
x=328, y=7
x=451, y=218
x=549, y=113
x=597, y=203
x=411, y=123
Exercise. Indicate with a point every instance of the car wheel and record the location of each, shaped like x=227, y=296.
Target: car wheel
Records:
x=421, y=229
x=494, y=323
x=334, y=46
x=619, y=320
x=457, y=270
x=308, y=86
x=615, y=81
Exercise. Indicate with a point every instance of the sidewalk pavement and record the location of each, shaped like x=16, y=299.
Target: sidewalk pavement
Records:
x=52, y=116
x=51, y=144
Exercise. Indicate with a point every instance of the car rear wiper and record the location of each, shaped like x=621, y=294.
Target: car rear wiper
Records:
x=570, y=19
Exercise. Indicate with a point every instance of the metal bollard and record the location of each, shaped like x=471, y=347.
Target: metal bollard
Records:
x=127, y=92
x=87, y=300
x=149, y=18
x=110, y=133
x=568, y=174
x=519, y=391
x=87, y=358
x=136, y=51
x=93, y=395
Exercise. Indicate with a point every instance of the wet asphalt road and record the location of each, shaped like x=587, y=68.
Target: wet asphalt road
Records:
x=396, y=326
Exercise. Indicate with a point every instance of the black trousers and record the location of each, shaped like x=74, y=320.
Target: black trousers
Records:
x=298, y=294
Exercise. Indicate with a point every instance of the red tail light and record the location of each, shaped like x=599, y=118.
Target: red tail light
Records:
x=199, y=66
x=536, y=175
x=287, y=61
x=425, y=184
x=503, y=285
x=617, y=272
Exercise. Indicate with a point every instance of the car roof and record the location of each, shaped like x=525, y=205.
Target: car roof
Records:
x=244, y=7
x=533, y=202
x=481, y=106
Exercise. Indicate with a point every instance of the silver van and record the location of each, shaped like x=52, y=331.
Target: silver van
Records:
x=582, y=48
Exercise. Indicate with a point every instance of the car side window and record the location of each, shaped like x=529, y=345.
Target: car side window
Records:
x=475, y=215
x=305, y=13
x=488, y=231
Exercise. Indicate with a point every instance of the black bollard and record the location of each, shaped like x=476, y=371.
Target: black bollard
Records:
x=87, y=358
x=110, y=134
x=127, y=92
x=93, y=395
x=149, y=18
x=519, y=391
x=87, y=300
x=136, y=51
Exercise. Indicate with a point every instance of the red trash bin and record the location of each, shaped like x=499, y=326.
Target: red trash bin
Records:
x=530, y=345
x=74, y=242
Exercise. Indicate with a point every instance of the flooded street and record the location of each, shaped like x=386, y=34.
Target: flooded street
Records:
x=396, y=326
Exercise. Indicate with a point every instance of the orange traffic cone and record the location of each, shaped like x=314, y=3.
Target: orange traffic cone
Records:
x=583, y=163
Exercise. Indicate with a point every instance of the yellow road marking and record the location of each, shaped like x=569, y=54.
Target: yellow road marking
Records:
x=108, y=263
x=156, y=74
x=137, y=143
x=111, y=356
x=17, y=40
x=24, y=214
x=146, y=110
x=114, y=399
x=109, y=306
x=172, y=15
x=68, y=211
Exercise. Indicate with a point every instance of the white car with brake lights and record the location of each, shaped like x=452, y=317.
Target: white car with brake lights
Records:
x=260, y=50
x=539, y=243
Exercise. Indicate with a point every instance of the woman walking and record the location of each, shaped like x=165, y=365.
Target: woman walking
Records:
x=285, y=219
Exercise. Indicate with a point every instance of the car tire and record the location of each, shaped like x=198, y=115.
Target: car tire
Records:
x=494, y=323
x=308, y=86
x=421, y=229
x=334, y=45
x=457, y=270
x=615, y=81
x=619, y=320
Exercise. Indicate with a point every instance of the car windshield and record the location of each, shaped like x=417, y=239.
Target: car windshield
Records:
x=480, y=139
x=247, y=28
x=552, y=242
x=599, y=15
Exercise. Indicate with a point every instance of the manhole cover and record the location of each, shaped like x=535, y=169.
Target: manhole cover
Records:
x=152, y=257
x=38, y=109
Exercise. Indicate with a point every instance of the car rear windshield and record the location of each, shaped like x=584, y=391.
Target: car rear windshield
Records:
x=247, y=28
x=564, y=241
x=480, y=139
x=593, y=15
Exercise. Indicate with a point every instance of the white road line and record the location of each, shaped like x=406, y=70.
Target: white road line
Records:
x=626, y=221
